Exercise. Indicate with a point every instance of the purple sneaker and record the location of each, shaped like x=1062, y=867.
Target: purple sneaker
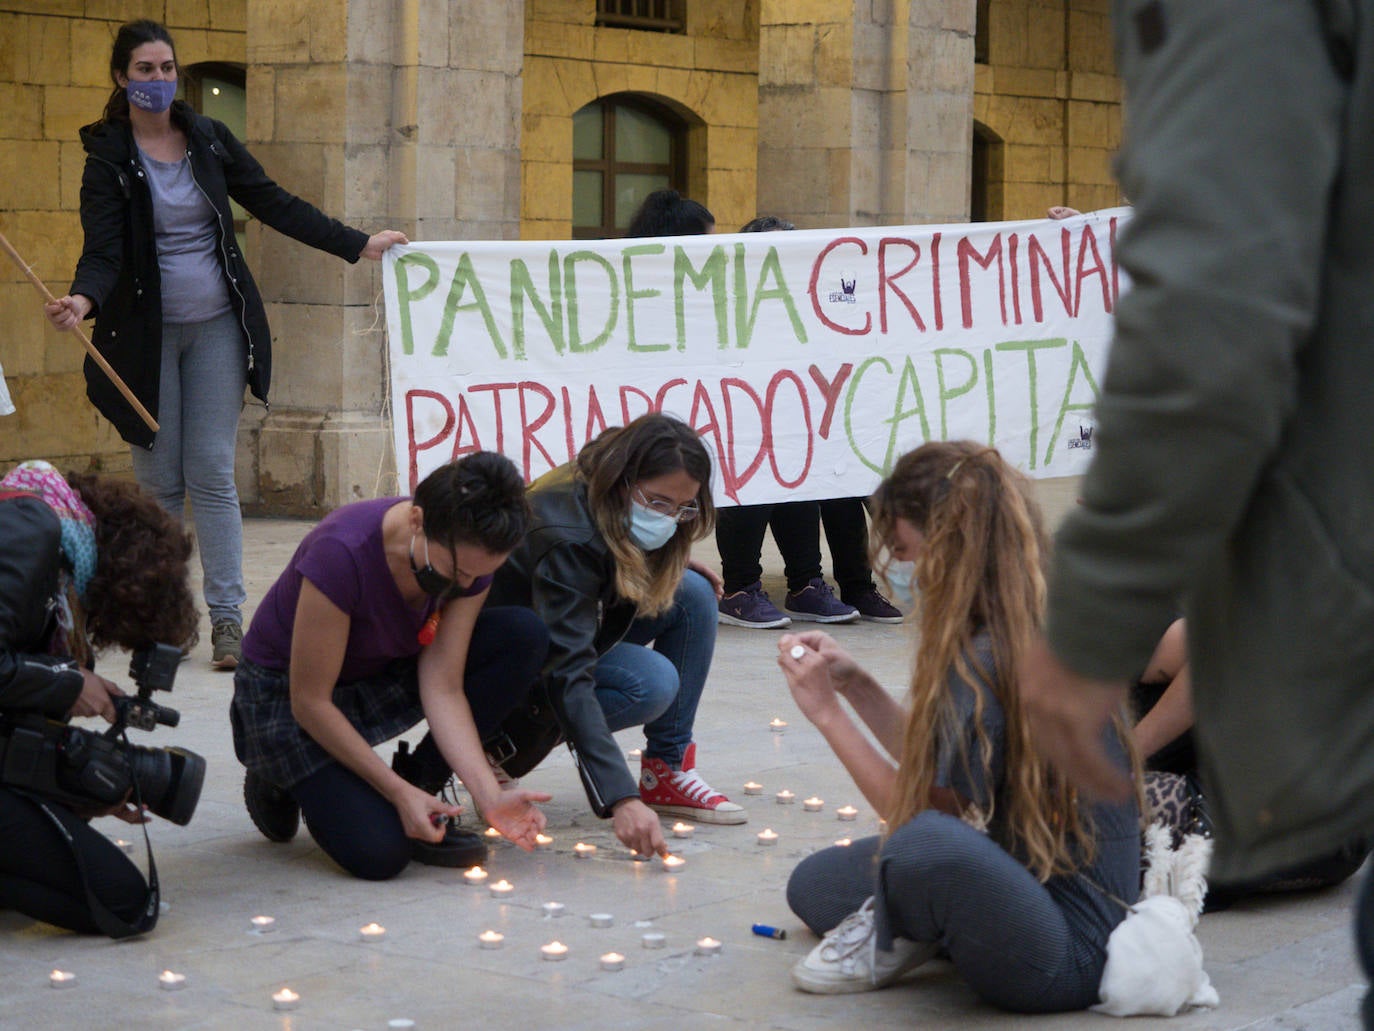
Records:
x=873, y=607
x=751, y=608
x=816, y=602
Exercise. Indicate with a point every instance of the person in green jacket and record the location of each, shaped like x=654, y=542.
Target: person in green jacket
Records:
x=1235, y=463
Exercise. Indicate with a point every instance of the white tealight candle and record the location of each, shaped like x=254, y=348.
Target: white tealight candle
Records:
x=601, y=919
x=554, y=951
x=400, y=1024
x=813, y=804
x=372, y=932
x=612, y=961
x=475, y=875
x=768, y=836
x=584, y=851
x=492, y=833
x=635, y=753
x=785, y=797
x=843, y=842
x=285, y=999
x=62, y=979
x=501, y=889
x=263, y=924
x=542, y=841
x=847, y=812
x=654, y=940
x=753, y=788
x=127, y=847
x=777, y=726
x=553, y=909
x=673, y=863
x=169, y=981
x=491, y=939
x=682, y=830
x=708, y=946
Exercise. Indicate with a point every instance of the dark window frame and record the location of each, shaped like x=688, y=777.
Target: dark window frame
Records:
x=643, y=15
x=675, y=168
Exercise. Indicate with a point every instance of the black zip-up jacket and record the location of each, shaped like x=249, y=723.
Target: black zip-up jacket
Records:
x=564, y=571
x=118, y=269
x=30, y=560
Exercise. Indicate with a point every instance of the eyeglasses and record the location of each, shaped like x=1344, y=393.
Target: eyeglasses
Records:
x=678, y=513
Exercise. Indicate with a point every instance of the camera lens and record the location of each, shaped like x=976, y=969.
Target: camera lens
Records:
x=169, y=781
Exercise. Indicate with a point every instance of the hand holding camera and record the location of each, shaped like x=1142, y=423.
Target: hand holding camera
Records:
x=97, y=697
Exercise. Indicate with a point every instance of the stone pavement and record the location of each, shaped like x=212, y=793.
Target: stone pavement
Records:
x=1279, y=963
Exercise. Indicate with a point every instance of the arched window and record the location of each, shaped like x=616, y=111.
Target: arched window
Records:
x=217, y=89
x=624, y=147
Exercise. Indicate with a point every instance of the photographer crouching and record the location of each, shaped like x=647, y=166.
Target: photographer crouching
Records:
x=85, y=562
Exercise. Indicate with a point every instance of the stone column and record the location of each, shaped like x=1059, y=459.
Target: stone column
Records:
x=386, y=114
x=865, y=111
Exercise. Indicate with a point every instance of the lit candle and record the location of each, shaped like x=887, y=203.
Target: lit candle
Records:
x=776, y=725
x=62, y=979
x=785, y=797
x=372, y=932
x=635, y=753
x=491, y=939
x=554, y=951
x=682, y=830
x=501, y=889
x=170, y=982
x=553, y=909
x=263, y=924
x=492, y=832
x=708, y=946
x=612, y=961
x=753, y=788
x=654, y=940
x=768, y=836
x=601, y=919
x=813, y=804
x=584, y=851
x=843, y=842
x=127, y=847
x=285, y=999
x=846, y=812
x=542, y=841
x=673, y=863
x=475, y=875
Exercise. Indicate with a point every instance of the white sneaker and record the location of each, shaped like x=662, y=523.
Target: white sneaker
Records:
x=848, y=959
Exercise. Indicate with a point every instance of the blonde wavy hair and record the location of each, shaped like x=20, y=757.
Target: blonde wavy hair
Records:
x=652, y=445
x=981, y=568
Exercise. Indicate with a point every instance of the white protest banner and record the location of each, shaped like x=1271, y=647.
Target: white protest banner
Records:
x=808, y=361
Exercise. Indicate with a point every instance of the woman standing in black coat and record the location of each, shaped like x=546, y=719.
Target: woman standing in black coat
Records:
x=177, y=313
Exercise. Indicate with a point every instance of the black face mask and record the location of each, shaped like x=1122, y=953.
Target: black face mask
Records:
x=431, y=581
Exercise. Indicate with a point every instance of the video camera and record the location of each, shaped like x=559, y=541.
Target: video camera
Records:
x=84, y=769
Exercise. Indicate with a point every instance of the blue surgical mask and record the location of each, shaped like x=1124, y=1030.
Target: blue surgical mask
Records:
x=901, y=576
x=650, y=530
x=154, y=96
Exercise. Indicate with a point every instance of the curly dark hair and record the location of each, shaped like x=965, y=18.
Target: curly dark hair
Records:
x=140, y=594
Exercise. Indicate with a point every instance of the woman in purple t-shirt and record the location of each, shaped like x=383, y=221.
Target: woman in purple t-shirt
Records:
x=376, y=624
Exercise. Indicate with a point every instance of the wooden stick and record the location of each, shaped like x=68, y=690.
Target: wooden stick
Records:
x=96, y=356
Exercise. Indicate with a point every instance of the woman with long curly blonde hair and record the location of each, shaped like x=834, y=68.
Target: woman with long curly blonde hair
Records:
x=989, y=857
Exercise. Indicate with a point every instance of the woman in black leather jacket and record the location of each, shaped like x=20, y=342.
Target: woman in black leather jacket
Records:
x=607, y=564
x=177, y=313
x=84, y=562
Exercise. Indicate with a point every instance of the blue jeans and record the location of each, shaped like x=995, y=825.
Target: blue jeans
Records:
x=660, y=686
x=200, y=396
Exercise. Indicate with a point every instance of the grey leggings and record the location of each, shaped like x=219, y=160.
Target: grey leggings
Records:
x=200, y=396
x=1020, y=944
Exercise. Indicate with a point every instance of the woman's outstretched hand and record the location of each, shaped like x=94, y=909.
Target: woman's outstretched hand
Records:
x=516, y=816
x=814, y=665
x=637, y=826
x=378, y=243
x=418, y=810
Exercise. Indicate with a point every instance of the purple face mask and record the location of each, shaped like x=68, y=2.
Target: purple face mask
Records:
x=154, y=96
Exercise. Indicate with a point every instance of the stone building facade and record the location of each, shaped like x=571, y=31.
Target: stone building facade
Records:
x=541, y=119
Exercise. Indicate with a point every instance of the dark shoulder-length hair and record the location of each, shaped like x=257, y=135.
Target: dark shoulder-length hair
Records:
x=140, y=593
x=479, y=499
x=129, y=38
x=652, y=445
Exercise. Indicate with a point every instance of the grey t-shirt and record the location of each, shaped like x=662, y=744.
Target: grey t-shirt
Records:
x=193, y=286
